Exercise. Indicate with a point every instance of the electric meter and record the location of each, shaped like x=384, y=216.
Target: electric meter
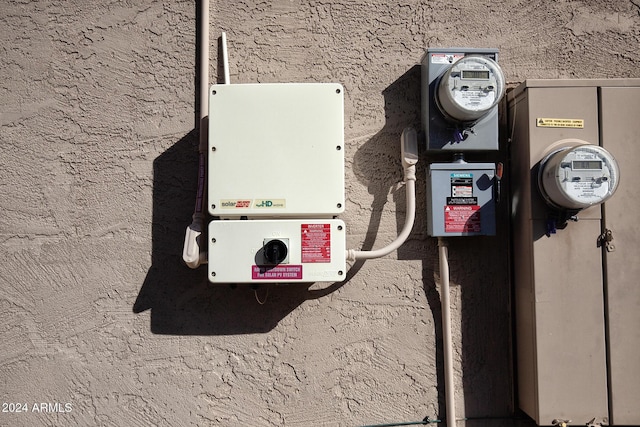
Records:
x=578, y=177
x=470, y=88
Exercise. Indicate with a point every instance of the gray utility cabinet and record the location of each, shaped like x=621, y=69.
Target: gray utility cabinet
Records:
x=577, y=305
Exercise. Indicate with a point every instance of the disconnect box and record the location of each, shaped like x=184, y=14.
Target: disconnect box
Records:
x=460, y=199
x=269, y=251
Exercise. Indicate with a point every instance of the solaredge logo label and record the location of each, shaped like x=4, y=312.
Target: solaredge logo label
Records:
x=235, y=204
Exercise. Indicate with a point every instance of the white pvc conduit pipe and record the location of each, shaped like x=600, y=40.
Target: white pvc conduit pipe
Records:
x=225, y=59
x=410, y=184
x=409, y=152
x=446, y=334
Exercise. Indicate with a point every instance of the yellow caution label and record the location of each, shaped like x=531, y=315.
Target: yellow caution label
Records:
x=545, y=122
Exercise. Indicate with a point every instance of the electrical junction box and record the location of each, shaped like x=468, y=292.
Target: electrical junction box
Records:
x=576, y=293
x=276, y=150
x=277, y=251
x=461, y=89
x=275, y=183
x=460, y=199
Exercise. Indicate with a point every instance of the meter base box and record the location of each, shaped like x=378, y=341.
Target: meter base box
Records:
x=440, y=132
x=460, y=199
x=276, y=150
x=576, y=303
x=315, y=251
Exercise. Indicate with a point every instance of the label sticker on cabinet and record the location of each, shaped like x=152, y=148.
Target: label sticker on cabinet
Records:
x=462, y=219
x=270, y=203
x=445, y=58
x=288, y=272
x=545, y=122
x=315, y=243
x=235, y=203
x=462, y=189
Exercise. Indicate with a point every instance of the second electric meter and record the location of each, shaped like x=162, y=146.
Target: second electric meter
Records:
x=470, y=88
x=578, y=177
x=461, y=90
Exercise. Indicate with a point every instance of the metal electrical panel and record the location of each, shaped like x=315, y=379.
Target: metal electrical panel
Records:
x=461, y=90
x=448, y=126
x=577, y=299
x=461, y=199
x=276, y=183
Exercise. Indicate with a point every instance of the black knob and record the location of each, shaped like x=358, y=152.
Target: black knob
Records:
x=275, y=251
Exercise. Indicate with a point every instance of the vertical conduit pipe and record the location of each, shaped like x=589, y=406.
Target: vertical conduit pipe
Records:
x=446, y=333
x=225, y=59
x=204, y=101
x=191, y=253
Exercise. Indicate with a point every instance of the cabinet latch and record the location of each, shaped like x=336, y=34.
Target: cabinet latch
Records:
x=605, y=240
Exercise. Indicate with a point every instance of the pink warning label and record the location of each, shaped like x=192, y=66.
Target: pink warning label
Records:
x=278, y=272
x=462, y=219
x=316, y=243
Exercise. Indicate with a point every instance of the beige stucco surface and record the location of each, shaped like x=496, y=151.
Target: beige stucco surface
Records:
x=98, y=153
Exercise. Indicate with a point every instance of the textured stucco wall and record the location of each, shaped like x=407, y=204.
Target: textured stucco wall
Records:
x=98, y=155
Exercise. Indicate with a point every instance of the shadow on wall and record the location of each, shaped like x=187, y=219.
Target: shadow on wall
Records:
x=479, y=268
x=402, y=109
x=377, y=165
x=183, y=302
x=377, y=162
x=479, y=265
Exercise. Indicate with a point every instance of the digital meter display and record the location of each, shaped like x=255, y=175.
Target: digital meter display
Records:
x=470, y=89
x=586, y=164
x=576, y=177
x=475, y=74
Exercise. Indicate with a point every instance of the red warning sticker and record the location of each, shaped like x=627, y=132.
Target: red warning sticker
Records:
x=316, y=243
x=278, y=272
x=445, y=58
x=462, y=219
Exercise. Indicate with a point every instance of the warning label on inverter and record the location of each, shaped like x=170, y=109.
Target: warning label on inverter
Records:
x=316, y=243
x=462, y=219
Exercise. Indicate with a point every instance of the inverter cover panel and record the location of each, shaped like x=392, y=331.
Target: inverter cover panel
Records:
x=276, y=150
